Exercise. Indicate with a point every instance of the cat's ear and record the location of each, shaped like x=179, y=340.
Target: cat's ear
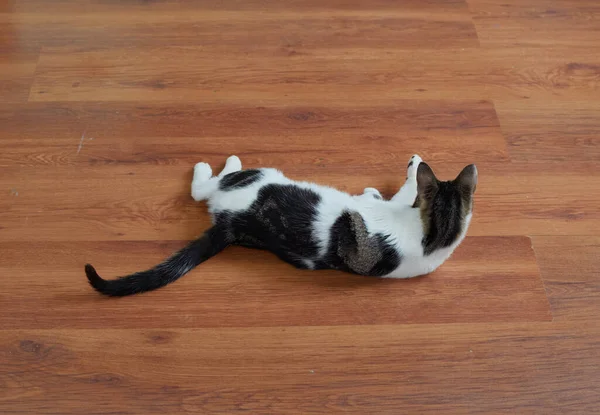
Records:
x=467, y=179
x=426, y=180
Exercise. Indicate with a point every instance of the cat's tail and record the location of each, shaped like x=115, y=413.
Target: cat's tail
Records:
x=211, y=243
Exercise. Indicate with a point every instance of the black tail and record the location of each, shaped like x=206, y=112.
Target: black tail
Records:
x=211, y=243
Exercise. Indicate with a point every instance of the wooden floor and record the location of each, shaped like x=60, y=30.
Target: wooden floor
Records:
x=106, y=105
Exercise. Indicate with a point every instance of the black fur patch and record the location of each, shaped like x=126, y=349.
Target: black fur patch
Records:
x=444, y=213
x=239, y=179
x=280, y=220
x=211, y=243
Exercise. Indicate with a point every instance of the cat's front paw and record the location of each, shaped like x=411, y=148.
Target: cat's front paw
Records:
x=413, y=165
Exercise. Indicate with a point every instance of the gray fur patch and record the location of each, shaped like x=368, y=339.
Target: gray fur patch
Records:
x=362, y=257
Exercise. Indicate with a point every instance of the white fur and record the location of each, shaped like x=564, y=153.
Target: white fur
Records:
x=395, y=217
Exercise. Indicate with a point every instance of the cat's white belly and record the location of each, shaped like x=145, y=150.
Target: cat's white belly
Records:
x=417, y=265
x=414, y=266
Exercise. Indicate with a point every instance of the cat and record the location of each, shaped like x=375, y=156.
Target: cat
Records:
x=318, y=227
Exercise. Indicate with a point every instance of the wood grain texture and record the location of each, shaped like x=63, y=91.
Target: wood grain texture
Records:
x=287, y=370
x=334, y=75
x=176, y=133
x=256, y=26
x=16, y=74
x=106, y=105
x=154, y=8
x=555, y=131
x=569, y=266
x=537, y=23
x=266, y=32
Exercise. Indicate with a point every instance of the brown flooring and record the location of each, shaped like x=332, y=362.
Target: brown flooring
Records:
x=106, y=105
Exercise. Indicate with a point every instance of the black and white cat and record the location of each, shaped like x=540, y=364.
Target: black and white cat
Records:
x=318, y=227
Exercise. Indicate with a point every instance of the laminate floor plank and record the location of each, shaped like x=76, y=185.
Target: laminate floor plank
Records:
x=264, y=32
x=552, y=132
x=537, y=23
x=16, y=74
x=152, y=202
x=242, y=287
x=321, y=76
x=458, y=368
x=38, y=134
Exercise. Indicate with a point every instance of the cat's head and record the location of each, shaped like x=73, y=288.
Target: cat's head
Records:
x=446, y=206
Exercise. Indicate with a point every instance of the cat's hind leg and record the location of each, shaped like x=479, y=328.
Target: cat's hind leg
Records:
x=232, y=165
x=203, y=183
x=408, y=192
